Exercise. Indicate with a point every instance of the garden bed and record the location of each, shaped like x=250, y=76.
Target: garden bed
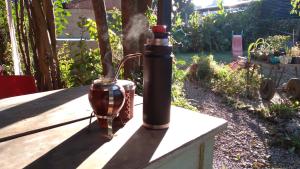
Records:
x=247, y=141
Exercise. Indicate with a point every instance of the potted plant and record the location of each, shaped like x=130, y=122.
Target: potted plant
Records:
x=278, y=44
x=260, y=50
x=295, y=53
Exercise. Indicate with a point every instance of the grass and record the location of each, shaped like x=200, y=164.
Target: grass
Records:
x=220, y=57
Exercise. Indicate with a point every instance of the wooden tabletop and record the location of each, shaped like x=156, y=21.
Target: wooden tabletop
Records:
x=50, y=130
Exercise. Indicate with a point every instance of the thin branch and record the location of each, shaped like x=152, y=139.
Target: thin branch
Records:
x=27, y=72
x=24, y=38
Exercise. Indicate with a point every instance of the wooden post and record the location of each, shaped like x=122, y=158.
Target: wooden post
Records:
x=164, y=13
x=12, y=33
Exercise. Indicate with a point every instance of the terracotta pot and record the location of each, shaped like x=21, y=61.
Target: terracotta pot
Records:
x=126, y=113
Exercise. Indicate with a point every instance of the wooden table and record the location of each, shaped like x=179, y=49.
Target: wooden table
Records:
x=50, y=130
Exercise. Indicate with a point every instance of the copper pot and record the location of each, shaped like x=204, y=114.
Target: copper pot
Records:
x=106, y=98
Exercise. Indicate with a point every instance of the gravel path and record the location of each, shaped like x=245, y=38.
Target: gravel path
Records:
x=244, y=143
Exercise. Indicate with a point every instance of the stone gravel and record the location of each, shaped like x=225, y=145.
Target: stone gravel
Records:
x=245, y=142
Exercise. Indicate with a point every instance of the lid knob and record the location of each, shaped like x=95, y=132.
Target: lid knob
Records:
x=159, y=29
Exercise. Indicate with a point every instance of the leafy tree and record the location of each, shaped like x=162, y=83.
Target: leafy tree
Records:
x=213, y=32
x=61, y=15
x=35, y=28
x=114, y=38
x=296, y=6
x=4, y=39
x=184, y=7
x=115, y=21
x=221, y=10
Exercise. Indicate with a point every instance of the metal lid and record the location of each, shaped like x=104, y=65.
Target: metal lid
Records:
x=159, y=29
x=158, y=42
x=159, y=36
x=104, y=81
x=126, y=84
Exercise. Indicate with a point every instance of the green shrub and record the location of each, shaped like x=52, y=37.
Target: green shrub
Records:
x=224, y=79
x=178, y=95
x=213, y=32
x=89, y=25
x=205, y=70
x=295, y=143
x=278, y=41
x=83, y=65
x=285, y=110
x=61, y=15
x=80, y=67
x=65, y=63
x=233, y=82
x=5, y=49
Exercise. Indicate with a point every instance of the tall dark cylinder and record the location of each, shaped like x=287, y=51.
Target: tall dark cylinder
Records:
x=157, y=80
x=164, y=13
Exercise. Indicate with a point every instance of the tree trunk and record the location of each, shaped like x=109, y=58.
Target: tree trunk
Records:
x=48, y=9
x=31, y=35
x=24, y=37
x=20, y=30
x=44, y=49
x=131, y=9
x=144, y=5
x=103, y=37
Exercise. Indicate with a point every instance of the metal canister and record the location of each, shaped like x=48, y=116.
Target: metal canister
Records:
x=157, y=80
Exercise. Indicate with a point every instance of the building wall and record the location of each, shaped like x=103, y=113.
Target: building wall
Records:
x=92, y=44
x=72, y=30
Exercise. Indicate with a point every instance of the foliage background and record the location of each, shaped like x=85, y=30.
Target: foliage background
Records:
x=213, y=32
x=5, y=50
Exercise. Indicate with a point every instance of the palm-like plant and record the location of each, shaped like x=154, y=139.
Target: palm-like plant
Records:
x=260, y=49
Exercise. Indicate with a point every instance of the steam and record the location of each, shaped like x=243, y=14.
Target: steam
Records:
x=137, y=26
x=108, y=64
